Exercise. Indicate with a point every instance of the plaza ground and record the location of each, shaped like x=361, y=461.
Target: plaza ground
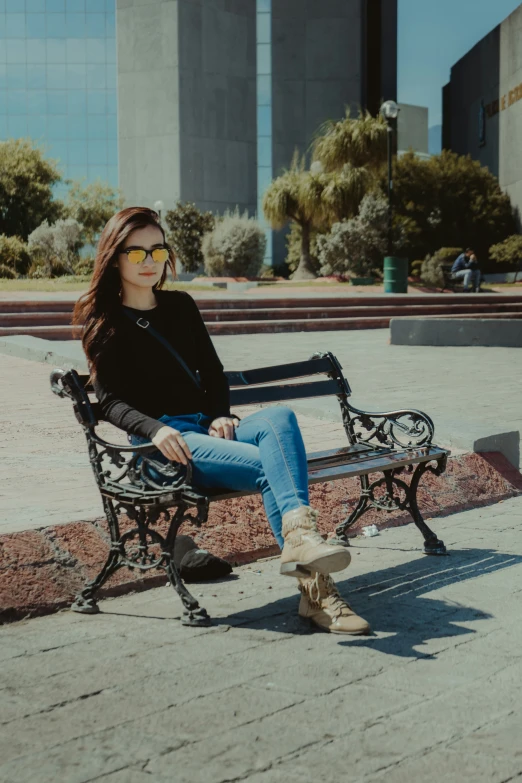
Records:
x=131, y=696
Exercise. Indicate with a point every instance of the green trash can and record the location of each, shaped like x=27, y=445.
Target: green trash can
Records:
x=395, y=275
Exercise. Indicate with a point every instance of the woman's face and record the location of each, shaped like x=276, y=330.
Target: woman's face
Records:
x=148, y=272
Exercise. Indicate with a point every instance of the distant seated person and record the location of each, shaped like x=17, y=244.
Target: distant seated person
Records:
x=466, y=269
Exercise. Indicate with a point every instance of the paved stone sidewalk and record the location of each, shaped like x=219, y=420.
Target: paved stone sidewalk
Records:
x=131, y=696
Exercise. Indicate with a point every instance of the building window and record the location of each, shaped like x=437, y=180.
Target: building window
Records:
x=58, y=82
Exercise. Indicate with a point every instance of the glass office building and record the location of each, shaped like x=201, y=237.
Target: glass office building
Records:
x=58, y=82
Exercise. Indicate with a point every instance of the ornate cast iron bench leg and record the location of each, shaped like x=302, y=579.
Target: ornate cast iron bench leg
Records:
x=85, y=602
x=132, y=550
x=405, y=500
x=193, y=613
x=432, y=544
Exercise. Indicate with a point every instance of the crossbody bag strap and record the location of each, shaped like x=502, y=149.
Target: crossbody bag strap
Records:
x=159, y=337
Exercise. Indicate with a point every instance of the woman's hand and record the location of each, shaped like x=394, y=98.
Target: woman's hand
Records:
x=223, y=428
x=172, y=445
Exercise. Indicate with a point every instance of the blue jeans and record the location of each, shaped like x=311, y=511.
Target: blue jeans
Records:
x=468, y=276
x=267, y=455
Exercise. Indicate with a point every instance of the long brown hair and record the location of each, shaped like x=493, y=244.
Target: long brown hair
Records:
x=98, y=307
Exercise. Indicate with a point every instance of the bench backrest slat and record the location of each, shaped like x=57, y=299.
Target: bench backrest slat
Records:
x=247, y=387
x=290, y=391
x=279, y=372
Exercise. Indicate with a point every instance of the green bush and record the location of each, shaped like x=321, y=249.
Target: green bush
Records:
x=187, y=227
x=235, y=248
x=14, y=255
x=7, y=273
x=356, y=246
x=509, y=251
x=55, y=249
x=431, y=272
x=447, y=255
x=84, y=266
x=416, y=267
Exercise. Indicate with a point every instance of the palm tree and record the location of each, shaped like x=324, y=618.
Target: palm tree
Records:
x=313, y=200
x=351, y=142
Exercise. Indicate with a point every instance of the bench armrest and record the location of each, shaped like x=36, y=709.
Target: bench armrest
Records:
x=133, y=463
x=397, y=429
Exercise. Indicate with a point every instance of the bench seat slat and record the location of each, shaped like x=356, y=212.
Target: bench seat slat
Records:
x=371, y=464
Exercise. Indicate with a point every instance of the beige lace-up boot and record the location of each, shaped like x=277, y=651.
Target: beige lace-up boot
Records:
x=322, y=604
x=304, y=550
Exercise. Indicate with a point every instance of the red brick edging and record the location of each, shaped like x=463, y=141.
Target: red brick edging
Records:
x=41, y=570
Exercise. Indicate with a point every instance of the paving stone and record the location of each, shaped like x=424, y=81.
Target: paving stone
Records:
x=131, y=693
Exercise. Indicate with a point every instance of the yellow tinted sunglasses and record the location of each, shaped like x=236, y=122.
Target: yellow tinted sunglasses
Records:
x=137, y=255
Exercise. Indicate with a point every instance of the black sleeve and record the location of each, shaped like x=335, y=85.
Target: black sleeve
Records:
x=211, y=370
x=114, y=409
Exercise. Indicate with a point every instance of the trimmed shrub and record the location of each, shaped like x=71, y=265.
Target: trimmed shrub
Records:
x=235, y=248
x=447, y=255
x=14, y=256
x=54, y=249
x=356, y=246
x=431, y=272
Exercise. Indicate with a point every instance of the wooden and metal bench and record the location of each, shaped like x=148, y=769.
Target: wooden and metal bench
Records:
x=387, y=444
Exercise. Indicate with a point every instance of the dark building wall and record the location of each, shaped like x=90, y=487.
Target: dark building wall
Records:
x=217, y=94
x=475, y=81
x=446, y=116
x=326, y=55
x=389, y=49
x=316, y=69
x=379, y=67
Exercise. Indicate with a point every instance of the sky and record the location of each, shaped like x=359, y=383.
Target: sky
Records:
x=433, y=35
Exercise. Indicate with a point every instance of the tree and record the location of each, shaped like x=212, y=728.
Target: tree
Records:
x=450, y=201
x=27, y=179
x=187, y=227
x=313, y=200
x=235, y=247
x=508, y=252
x=14, y=257
x=352, y=142
x=92, y=206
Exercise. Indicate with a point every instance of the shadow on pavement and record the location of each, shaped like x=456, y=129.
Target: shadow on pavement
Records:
x=394, y=600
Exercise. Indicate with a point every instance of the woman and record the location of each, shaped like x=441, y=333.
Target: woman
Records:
x=145, y=391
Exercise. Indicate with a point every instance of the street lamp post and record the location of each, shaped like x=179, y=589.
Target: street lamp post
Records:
x=390, y=112
x=158, y=207
x=395, y=269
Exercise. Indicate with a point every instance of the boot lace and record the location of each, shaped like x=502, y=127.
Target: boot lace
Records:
x=322, y=590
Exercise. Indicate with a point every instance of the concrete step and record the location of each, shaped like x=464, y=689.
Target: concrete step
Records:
x=299, y=313
x=29, y=319
x=254, y=327
x=382, y=300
